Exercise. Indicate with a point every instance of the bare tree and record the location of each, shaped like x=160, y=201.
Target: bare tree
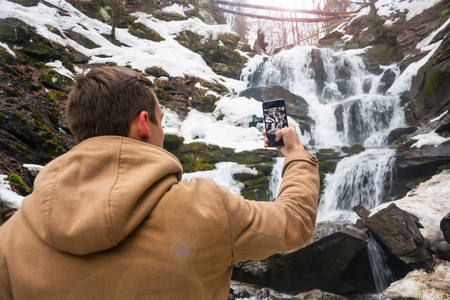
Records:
x=115, y=7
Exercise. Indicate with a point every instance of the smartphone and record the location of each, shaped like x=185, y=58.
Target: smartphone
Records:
x=275, y=118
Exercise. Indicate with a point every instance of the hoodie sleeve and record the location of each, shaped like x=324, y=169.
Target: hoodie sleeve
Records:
x=5, y=283
x=260, y=229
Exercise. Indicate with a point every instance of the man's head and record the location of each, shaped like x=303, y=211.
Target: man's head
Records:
x=114, y=101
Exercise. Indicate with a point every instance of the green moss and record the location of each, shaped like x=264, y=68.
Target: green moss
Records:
x=51, y=149
x=437, y=79
x=19, y=116
x=2, y=117
x=229, y=40
x=38, y=116
x=141, y=31
x=444, y=15
x=51, y=97
x=17, y=182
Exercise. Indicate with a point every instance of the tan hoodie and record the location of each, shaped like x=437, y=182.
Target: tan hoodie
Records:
x=111, y=219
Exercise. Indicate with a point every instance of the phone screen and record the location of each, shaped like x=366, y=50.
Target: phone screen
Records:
x=274, y=112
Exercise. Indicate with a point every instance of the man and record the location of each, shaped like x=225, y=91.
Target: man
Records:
x=111, y=218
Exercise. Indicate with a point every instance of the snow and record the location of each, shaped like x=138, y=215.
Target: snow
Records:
x=58, y=67
x=223, y=175
x=6, y=47
x=404, y=81
x=177, y=9
x=431, y=138
x=7, y=195
x=387, y=7
x=141, y=54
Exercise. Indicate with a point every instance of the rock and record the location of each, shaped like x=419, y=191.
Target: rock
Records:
x=317, y=294
x=38, y=50
x=198, y=156
x=334, y=261
x=332, y=40
x=76, y=56
x=182, y=94
x=172, y=142
x=54, y=80
x=143, y=32
x=229, y=40
x=430, y=90
x=14, y=31
x=445, y=227
x=157, y=72
x=81, y=39
x=26, y=2
x=443, y=128
x=398, y=132
x=397, y=231
x=423, y=161
x=6, y=58
x=443, y=250
x=386, y=81
x=223, y=60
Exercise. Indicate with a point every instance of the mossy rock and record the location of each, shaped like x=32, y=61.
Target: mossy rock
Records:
x=6, y=58
x=356, y=149
x=254, y=157
x=54, y=80
x=141, y=31
x=14, y=31
x=205, y=104
x=82, y=40
x=169, y=16
x=190, y=40
x=172, y=142
x=51, y=149
x=37, y=50
x=27, y=3
x=439, y=78
x=228, y=39
x=111, y=39
x=444, y=15
x=199, y=156
x=17, y=182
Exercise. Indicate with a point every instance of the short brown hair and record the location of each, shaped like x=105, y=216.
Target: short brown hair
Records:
x=106, y=100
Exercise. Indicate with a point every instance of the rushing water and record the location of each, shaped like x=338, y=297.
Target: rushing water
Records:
x=349, y=105
x=382, y=274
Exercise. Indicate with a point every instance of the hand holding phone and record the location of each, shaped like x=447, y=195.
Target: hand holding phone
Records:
x=275, y=118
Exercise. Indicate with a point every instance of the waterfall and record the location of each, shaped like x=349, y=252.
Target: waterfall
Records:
x=382, y=274
x=358, y=180
x=275, y=178
x=349, y=105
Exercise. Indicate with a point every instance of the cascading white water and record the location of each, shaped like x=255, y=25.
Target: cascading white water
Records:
x=359, y=180
x=349, y=106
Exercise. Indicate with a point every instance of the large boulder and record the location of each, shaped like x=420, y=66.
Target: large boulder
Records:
x=334, y=261
x=398, y=231
x=423, y=161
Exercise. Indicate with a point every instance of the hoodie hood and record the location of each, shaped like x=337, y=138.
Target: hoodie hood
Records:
x=95, y=195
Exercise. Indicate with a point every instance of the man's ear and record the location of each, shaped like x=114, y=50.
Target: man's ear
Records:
x=143, y=127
